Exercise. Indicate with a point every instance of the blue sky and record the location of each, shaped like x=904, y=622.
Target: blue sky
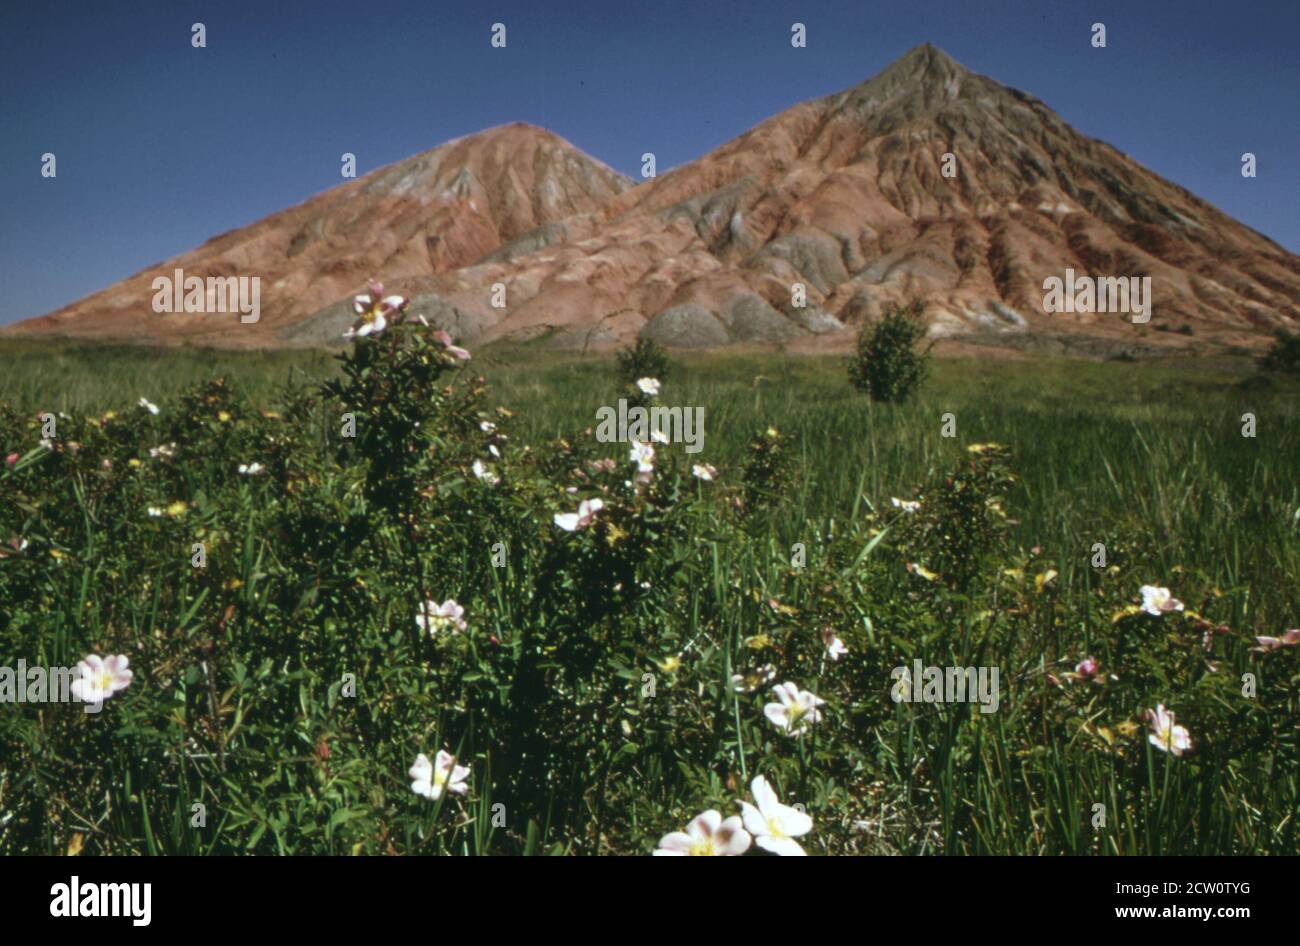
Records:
x=160, y=145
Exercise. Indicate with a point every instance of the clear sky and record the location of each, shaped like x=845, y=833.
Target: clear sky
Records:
x=160, y=146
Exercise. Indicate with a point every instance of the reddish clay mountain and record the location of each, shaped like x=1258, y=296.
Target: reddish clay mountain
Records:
x=429, y=214
x=843, y=200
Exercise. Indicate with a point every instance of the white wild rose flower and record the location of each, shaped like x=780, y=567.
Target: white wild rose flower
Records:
x=797, y=710
x=1165, y=735
x=371, y=326
x=649, y=386
x=445, y=341
x=1288, y=639
x=1157, y=601
x=751, y=680
x=587, y=509
x=431, y=779
x=774, y=825
x=99, y=679
x=372, y=311
x=834, y=646
x=706, y=836
x=435, y=618
x=643, y=455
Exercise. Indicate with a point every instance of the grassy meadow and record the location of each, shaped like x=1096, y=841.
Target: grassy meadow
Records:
x=1096, y=444
x=611, y=682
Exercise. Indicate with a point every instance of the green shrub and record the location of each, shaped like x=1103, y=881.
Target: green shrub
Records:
x=887, y=365
x=644, y=359
x=767, y=469
x=1284, y=355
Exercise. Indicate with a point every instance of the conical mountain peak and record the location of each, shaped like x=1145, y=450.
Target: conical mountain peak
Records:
x=926, y=61
x=924, y=79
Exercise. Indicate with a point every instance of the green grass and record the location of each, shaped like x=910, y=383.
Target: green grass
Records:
x=80, y=377
x=1094, y=443
x=1148, y=459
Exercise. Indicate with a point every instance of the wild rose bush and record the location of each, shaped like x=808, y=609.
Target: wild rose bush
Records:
x=370, y=620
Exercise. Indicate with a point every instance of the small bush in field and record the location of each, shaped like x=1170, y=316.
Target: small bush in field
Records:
x=961, y=524
x=887, y=365
x=767, y=469
x=1283, y=357
x=645, y=359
